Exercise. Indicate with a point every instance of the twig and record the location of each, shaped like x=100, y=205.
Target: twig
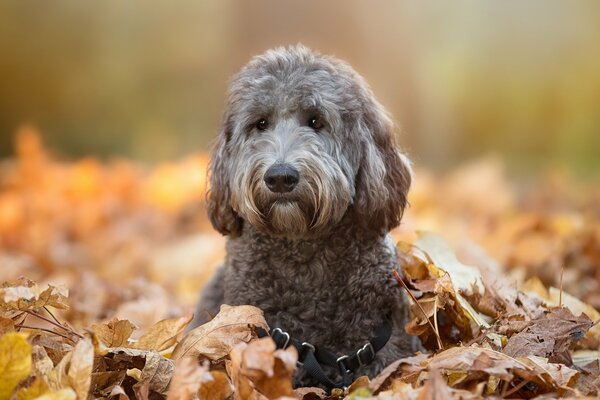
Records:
x=504, y=388
x=42, y=329
x=412, y=296
x=517, y=388
x=562, y=270
x=52, y=315
x=435, y=323
x=57, y=324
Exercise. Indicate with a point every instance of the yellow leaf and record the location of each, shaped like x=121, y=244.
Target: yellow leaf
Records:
x=15, y=362
x=163, y=334
x=33, y=391
x=62, y=394
x=80, y=371
x=216, y=338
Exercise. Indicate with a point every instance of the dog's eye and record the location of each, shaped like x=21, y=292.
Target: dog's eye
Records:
x=262, y=124
x=316, y=123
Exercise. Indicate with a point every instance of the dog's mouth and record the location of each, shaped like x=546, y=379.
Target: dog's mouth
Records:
x=284, y=201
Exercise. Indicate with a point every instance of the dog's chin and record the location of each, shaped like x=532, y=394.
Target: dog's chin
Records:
x=287, y=217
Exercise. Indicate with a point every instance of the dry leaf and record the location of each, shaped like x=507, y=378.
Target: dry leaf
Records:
x=163, y=334
x=115, y=333
x=62, y=394
x=435, y=388
x=15, y=362
x=219, y=388
x=33, y=391
x=216, y=338
x=80, y=369
x=27, y=296
x=187, y=378
x=157, y=372
x=550, y=336
x=269, y=370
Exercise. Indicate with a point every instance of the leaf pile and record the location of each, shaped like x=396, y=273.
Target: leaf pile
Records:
x=114, y=254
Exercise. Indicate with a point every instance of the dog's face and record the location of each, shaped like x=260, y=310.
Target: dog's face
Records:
x=304, y=142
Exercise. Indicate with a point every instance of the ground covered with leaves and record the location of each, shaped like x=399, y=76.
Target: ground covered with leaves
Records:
x=102, y=263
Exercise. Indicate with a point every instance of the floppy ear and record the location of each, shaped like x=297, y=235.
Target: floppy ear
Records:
x=384, y=174
x=218, y=199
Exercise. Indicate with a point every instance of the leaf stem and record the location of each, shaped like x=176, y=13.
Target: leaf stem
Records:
x=57, y=324
x=42, y=329
x=414, y=299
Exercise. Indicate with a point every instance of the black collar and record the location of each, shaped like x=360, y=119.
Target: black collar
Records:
x=311, y=357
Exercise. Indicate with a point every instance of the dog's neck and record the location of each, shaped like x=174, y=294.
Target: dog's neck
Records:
x=337, y=239
x=347, y=228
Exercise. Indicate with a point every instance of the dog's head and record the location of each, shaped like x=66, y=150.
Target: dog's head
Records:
x=304, y=142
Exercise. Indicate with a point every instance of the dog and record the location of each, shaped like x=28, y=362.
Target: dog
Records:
x=307, y=180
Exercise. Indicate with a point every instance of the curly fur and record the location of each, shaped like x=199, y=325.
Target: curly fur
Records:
x=318, y=259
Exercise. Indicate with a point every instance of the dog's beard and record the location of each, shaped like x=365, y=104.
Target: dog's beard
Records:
x=288, y=217
x=309, y=209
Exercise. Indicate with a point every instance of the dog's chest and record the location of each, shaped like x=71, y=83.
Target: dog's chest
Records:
x=331, y=293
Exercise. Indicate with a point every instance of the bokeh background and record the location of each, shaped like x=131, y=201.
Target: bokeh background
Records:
x=107, y=111
x=463, y=79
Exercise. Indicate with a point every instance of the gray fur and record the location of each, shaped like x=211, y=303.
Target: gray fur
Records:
x=318, y=259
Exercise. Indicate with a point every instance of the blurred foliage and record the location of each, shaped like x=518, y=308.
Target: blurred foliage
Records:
x=147, y=80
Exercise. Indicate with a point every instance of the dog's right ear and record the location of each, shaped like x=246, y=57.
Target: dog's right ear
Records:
x=218, y=198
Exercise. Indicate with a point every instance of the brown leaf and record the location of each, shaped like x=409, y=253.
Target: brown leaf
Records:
x=157, y=372
x=163, y=334
x=467, y=360
x=258, y=370
x=550, y=336
x=219, y=388
x=270, y=370
x=216, y=338
x=435, y=388
x=114, y=333
x=153, y=371
x=310, y=393
x=6, y=325
x=187, y=378
x=554, y=376
x=408, y=368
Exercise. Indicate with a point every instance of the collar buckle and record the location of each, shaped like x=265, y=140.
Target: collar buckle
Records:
x=371, y=355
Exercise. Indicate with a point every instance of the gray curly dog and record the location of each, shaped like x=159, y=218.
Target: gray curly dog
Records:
x=307, y=180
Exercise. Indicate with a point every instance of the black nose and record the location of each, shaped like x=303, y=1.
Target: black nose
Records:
x=281, y=178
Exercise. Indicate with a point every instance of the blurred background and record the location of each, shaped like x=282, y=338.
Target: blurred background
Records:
x=146, y=80
x=107, y=112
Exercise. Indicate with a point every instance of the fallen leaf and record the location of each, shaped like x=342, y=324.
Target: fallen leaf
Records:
x=163, y=334
x=26, y=296
x=157, y=372
x=219, y=388
x=33, y=391
x=216, y=338
x=80, y=369
x=62, y=394
x=550, y=336
x=115, y=333
x=435, y=388
x=187, y=378
x=15, y=362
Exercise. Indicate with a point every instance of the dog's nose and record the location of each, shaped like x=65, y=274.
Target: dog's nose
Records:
x=281, y=178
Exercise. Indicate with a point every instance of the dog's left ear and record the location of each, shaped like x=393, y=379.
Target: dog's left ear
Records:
x=384, y=174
